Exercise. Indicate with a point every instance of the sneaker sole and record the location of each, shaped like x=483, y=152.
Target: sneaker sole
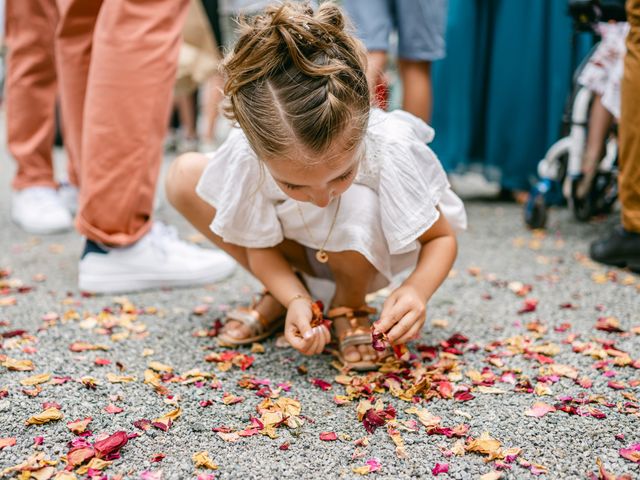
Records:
x=43, y=231
x=116, y=284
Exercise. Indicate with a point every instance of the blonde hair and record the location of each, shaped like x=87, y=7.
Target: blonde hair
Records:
x=296, y=78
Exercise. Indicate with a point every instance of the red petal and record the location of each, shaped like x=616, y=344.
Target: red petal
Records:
x=323, y=384
x=328, y=436
x=111, y=444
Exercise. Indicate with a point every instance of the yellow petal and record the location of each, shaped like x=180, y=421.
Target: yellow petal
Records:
x=18, y=365
x=113, y=378
x=172, y=415
x=484, y=444
x=202, y=460
x=36, y=379
x=160, y=367
x=49, y=415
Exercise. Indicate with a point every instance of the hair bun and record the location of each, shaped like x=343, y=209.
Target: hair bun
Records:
x=331, y=14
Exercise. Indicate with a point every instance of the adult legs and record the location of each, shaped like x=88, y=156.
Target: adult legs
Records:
x=421, y=29
x=36, y=205
x=118, y=109
x=74, y=42
x=630, y=125
x=31, y=90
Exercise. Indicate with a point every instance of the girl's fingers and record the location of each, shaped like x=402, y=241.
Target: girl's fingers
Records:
x=297, y=342
x=386, y=320
x=324, y=336
x=411, y=334
x=327, y=335
x=402, y=327
x=315, y=343
x=318, y=337
x=293, y=334
x=389, y=317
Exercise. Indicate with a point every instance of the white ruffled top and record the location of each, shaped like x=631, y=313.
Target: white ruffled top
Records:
x=392, y=201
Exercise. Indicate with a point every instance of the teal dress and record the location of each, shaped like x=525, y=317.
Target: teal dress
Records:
x=501, y=90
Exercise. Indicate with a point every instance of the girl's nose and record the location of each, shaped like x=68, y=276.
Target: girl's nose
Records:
x=321, y=198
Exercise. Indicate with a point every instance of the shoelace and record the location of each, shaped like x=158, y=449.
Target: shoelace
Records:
x=162, y=236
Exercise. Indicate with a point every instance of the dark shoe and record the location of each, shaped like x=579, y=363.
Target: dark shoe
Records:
x=621, y=249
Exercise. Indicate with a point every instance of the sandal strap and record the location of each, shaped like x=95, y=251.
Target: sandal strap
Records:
x=254, y=320
x=256, y=299
x=351, y=338
x=357, y=334
x=350, y=313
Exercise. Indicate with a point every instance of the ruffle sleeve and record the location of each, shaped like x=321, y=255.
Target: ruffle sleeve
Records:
x=231, y=183
x=413, y=183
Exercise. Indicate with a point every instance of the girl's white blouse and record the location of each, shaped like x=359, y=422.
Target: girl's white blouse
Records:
x=392, y=201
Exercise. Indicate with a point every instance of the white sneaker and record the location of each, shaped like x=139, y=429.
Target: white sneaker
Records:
x=159, y=259
x=69, y=196
x=40, y=210
x=186, y=145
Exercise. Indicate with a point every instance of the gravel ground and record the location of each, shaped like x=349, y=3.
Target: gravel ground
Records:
x=478, y=301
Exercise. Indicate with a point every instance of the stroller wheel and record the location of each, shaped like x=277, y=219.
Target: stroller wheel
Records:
x=535, y=211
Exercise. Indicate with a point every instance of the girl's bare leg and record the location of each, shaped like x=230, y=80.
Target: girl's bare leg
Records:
x=600, y=120
x=182, y=178
x=353, y=275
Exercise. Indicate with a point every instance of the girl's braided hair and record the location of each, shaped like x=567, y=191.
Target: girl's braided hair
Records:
x=297, y=78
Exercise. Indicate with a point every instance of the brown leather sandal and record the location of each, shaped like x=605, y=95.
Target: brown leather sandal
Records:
x=258, y=325
x=355, y=335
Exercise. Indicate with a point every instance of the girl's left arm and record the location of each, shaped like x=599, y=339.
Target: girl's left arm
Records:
x=404, y=311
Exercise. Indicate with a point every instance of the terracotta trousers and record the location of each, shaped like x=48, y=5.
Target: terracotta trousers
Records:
x=117, y=64
x=629, y=133
x=31, y=90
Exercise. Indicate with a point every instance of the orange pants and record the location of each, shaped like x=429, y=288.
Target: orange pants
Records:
x=629, y=133
x=117, y=64
x=31, y=90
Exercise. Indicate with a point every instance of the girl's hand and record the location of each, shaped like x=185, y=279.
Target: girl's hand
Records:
x=403, y=315
x=298, y=331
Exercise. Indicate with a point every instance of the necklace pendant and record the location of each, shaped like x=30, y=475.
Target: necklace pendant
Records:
x=322, y=256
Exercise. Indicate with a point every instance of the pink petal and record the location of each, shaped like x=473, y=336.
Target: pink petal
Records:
x=440, y=468
x=539, y=409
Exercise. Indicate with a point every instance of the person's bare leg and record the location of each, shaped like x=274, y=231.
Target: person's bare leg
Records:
x=600, y=120
x=212, y=107
x=353, y=275
x=376, y=65
x=187, y=114
x=181, y=180
x=417, y=95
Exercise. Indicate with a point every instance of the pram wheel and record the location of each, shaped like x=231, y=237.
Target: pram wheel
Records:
x=535, y=211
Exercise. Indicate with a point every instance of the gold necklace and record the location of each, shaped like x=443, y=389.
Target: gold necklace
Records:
x=321, y=255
